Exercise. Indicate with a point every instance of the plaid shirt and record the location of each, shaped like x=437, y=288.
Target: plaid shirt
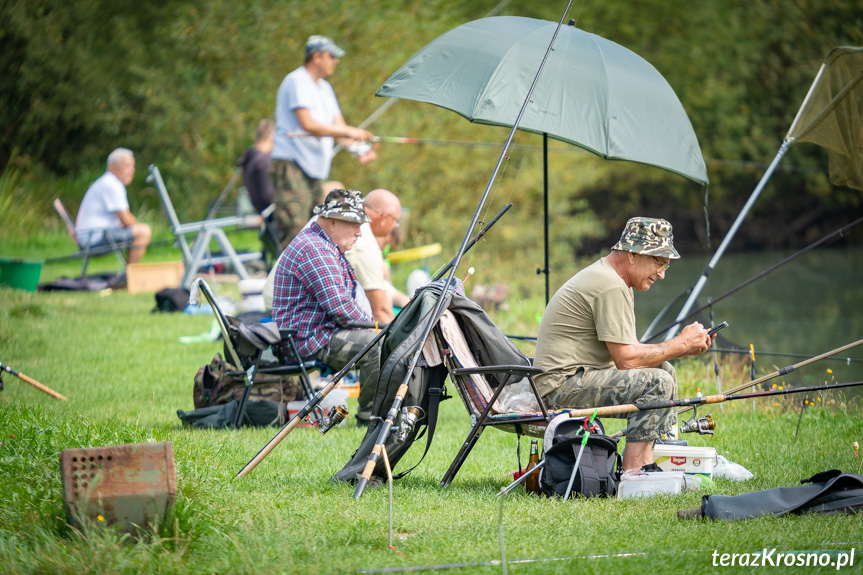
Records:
x=314, y=289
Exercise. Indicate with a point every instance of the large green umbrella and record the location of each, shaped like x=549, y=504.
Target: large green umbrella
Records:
x=592, y=93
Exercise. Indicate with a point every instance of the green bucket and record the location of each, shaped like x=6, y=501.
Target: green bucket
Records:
x=21, y=274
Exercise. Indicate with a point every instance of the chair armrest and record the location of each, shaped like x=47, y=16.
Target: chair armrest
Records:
x=285, y=333
x=510, y=369
x=291, y=369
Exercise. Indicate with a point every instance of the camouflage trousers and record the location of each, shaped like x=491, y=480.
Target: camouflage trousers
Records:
x=295, y=194
x=344, y=345
x=606, y=387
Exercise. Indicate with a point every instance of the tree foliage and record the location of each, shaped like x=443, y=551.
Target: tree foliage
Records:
x=183, y=83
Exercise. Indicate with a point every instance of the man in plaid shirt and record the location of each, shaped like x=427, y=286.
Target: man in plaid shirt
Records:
x=314, y=290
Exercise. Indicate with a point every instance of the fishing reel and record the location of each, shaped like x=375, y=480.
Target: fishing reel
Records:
x=337, y=414
x=703, y=425
x=407, y=422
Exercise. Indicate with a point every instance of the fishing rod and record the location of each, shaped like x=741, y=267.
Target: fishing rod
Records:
x=648, y=335
x=218, y=203
x=312, y=404
x=27, y=379
x=692, y=402
x=440, y=142
x=438, y=310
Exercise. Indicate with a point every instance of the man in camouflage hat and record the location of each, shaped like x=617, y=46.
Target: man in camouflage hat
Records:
x=314, y=292
x=588, y=347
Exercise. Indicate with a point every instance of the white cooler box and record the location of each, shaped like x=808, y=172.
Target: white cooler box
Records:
x=689, y=459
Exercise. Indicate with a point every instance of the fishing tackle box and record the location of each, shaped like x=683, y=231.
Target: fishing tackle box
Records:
x=685, y=458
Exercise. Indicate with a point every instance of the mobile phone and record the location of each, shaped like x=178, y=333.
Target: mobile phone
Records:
x=717, y=328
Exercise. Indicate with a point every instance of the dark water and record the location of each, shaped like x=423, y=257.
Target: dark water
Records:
x=809, y=306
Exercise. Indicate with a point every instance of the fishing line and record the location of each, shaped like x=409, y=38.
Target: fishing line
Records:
x=715, y=361
x=481, y=222
x=502, y=494
x=648, y=336
x=846, y=360
x=787, y=369
x=497, y=183
x=492, y=563
x=390, y=484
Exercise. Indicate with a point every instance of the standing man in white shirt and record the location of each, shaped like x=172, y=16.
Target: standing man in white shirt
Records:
x=307, y=104
x=104, y=214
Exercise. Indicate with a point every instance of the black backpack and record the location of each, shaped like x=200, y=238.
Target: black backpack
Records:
x=599, y=469
x=425, y=388
x=171, y=300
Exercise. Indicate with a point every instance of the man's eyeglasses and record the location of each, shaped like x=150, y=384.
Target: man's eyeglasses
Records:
x=662, y=265
x=398, y=221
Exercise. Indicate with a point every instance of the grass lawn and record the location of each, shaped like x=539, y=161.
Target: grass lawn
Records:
x=125, y=375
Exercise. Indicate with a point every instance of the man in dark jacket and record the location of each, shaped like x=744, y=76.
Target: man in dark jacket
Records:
x=256, y=163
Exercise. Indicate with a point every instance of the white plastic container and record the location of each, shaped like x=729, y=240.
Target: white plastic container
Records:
x=252, y=291
x=685, y=458
x=653, y=483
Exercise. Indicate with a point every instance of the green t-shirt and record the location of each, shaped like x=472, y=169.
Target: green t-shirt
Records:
x=593, y=307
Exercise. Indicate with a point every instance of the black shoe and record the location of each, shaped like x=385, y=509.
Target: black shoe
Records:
x=651, y=467
x=363, y=422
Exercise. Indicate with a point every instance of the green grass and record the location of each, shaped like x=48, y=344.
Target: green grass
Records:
x=125, y=375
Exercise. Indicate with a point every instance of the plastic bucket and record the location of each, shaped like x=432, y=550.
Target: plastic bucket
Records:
x=21, y=274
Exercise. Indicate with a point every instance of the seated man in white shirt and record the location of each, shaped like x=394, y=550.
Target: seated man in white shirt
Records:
x=366, y=257
x=104, y=215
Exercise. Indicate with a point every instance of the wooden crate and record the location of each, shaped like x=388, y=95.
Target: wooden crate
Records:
x=151, y=277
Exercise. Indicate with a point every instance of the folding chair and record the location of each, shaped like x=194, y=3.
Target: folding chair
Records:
x=466, y=337
x=245, y=344
x=85, y=251
x=198, y=256
x=481, y=362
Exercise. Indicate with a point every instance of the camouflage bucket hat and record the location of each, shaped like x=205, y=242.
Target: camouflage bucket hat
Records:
x=648, y=236
x=345, y=205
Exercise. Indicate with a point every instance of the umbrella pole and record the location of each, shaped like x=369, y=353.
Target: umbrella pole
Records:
x=728, y=237
x=545, y=208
